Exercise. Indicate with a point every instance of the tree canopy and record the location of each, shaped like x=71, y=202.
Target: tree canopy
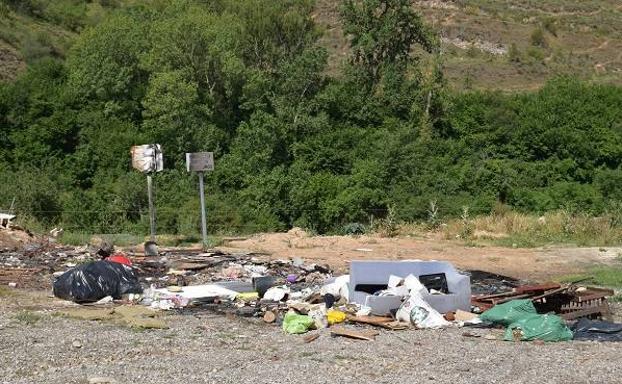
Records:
x=294, y=145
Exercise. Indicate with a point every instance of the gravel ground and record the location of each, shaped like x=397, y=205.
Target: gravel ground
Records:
x=209, y=348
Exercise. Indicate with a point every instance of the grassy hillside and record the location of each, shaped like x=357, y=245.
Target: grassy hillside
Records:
x=32, y=29
x=487, y=44
x=513, y=44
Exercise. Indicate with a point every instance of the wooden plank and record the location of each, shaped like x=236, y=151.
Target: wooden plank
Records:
x=368, y=335
x=311, y=337
x=379, y=321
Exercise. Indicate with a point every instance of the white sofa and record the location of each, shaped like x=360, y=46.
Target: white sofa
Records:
x=378, y=272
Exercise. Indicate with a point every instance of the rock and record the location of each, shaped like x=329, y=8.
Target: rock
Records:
x=76, y=344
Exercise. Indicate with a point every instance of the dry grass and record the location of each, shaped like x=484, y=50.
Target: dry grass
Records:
x=584, y=38
x=524, y=230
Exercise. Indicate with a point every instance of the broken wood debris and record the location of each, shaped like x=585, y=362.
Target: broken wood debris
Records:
x=367, y=334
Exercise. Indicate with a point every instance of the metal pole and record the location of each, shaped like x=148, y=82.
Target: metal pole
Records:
x=152, y=222
x=12, y=206
x=203, y=213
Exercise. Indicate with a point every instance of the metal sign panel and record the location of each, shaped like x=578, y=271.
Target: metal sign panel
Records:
x=147, y=158
x=200, y=161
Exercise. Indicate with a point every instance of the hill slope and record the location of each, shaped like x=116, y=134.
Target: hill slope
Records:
x=487, y=44
x=513, y=44
x=32, y=29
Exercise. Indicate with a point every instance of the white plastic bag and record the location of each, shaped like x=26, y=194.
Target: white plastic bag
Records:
x=419, y=313
x=398, y=286
x=414, y=285
x=276, y=293
x=338, y=288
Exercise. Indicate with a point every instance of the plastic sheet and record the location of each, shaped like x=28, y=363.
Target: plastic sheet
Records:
x=293, y=323
x=508, y=313
x=597, y=330
x=94, y=281
x=538, y=327
x=523, y=323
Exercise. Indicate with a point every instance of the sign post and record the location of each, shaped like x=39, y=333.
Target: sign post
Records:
x=200, y=162
x=148, y=159
x=152, y=224
x=203, y=212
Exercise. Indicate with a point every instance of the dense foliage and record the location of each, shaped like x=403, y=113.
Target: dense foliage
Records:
x=246, y=79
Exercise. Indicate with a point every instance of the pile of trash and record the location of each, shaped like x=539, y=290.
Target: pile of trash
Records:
x=300, y=297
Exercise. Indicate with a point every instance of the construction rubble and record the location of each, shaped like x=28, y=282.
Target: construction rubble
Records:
x=300, y=297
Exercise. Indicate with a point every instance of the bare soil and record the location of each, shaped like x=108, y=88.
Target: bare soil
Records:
x=10, y=62
x=14, y=238
x=525, y=263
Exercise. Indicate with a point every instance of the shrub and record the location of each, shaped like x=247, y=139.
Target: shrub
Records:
x=537, y=38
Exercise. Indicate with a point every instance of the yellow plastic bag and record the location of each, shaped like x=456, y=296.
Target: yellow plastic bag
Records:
x=334, y=317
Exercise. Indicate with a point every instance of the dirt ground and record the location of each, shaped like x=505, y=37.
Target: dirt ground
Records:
x=40, y=346
x=11, y=239
x=43, y=341
x=337, y=251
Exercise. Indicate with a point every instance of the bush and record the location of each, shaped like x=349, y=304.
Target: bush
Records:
x=537, y=38
x=514, y=55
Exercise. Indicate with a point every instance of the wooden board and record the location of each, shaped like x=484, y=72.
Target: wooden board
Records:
x=359, y=335
x=379, y=321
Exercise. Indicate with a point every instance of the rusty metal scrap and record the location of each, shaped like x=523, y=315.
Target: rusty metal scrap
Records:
x=570, y=301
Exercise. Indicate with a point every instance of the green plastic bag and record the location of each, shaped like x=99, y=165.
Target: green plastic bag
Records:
x=510, y=312
x=538, y=327
x=294, y=323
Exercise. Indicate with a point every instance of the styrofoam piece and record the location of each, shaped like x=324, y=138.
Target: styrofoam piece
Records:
x=382, y=305
x=379, y=272
x=201, y=291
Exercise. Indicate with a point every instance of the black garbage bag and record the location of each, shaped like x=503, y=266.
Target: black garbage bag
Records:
x=94, y=281
x=597, y=330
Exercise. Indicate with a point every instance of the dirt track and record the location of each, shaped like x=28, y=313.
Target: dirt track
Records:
x=526, y=263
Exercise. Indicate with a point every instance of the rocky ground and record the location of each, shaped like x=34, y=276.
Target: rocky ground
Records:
x=37, y=345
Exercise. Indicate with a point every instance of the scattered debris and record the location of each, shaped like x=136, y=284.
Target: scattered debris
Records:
x=301, y=297
x=269, y=317
x=446, y=289
x=571, y=301
x=5, y=220
x=293, y=323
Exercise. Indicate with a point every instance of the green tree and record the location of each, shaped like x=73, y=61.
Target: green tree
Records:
x=383, y=34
